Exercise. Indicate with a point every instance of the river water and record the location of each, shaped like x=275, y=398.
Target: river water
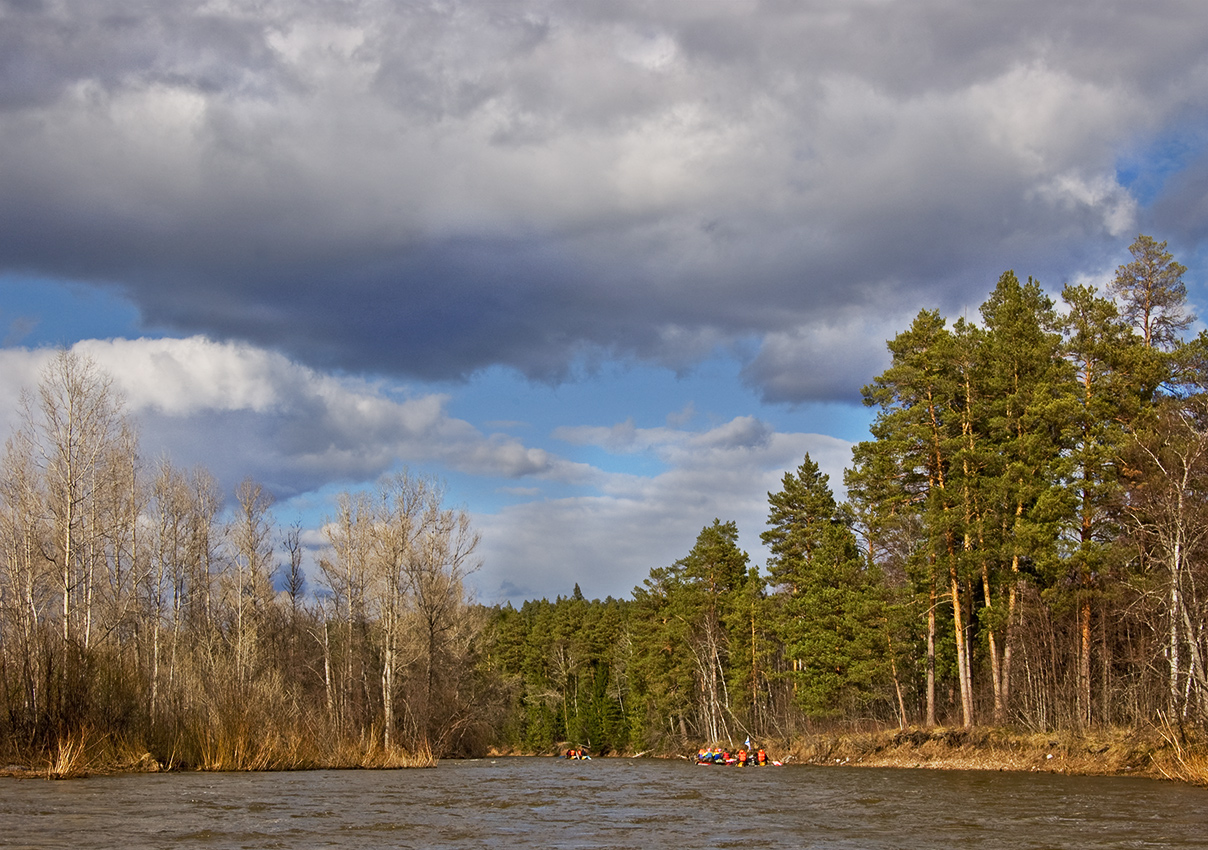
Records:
x=605, y=803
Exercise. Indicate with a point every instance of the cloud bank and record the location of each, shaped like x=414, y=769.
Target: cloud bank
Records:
x=608, y=541
x=242, y=411
x=428, y=189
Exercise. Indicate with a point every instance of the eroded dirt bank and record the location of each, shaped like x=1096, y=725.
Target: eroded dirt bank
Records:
x=1156, y=753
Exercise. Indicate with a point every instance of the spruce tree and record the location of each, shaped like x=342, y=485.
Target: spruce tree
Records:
x=799, y=515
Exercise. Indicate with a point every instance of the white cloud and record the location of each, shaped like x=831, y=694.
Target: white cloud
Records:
x=1098, y=195
x=240, y=410
x=608, y=542
x=19, y=370
x=245, y=411
x=180, y=377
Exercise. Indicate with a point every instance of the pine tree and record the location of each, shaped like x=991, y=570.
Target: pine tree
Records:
x=799, y=515
x=1107, y=361
x=1152, y=293
x=1025, y=387
x=915, y=427
x=690, y=609
x=828, y=608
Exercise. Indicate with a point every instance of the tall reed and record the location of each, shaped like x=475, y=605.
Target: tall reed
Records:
x=69, y=759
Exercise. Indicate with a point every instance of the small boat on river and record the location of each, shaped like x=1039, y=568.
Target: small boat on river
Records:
x=718, y=757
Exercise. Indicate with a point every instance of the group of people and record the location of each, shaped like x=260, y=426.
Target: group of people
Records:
x=715, y=755
x=706, y=755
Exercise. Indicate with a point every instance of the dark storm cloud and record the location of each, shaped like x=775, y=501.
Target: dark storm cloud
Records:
x=431, y=188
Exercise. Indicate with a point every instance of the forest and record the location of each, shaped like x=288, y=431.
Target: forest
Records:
x=1023, y=543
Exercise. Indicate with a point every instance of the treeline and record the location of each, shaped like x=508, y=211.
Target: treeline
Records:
x=1024, y=543
x=139, y=616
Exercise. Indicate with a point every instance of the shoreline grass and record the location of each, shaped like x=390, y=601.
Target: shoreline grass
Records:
x=1158, y=753
x=81, y=755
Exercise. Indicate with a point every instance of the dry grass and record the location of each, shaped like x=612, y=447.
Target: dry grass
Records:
x=377, y=757
x=1097, y=752
x=80, y=754
x=69, y=760
x=238, y=748
x=220, y=747
x=1181, y=759
x=370, y=753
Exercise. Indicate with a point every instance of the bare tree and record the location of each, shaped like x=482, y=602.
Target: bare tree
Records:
x=167, y=579
x=251, y=549
x=437, y=571
x=122, y=499
x=203, y=543
x=407, y=507
x=398, y=561
x=1169, y=512
x=345, y=577
x=27, y=589
x=74, y=424
x=294, y=575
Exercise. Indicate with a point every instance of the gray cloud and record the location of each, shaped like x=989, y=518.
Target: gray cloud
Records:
x=242, y=411
x=428, y=189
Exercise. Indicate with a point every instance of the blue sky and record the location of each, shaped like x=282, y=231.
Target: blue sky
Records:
x=608, y=269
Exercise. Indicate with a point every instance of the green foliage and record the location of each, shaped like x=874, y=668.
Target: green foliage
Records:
x=1002, y=548
x=827, y=608
x=1152, y=291
x=567, y=659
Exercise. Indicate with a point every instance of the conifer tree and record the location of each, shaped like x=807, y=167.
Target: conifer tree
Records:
x=828, y=605
x=690, y=608
x=915, y=425
x=799, y=515
x=1153, y=294
x=1026, y=400
x=1107, y=361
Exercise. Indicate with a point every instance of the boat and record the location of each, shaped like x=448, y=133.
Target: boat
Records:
x=718, y=757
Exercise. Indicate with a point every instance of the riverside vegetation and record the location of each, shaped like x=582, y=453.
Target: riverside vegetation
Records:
x=1018, y=578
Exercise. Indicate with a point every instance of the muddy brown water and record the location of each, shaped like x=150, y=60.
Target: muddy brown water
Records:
x=605, y=803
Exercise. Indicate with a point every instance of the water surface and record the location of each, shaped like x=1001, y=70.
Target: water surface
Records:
x=604, y=803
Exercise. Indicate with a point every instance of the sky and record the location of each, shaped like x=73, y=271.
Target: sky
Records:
x=607, y=268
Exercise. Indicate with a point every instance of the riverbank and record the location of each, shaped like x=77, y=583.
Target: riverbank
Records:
x=1111, y=752
x=1153, y=753
x=94, y=754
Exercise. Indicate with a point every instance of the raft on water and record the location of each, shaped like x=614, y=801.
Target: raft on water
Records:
x=713, y=756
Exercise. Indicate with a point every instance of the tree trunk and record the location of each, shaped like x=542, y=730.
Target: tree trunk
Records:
x=962, y=650
x=931, y=627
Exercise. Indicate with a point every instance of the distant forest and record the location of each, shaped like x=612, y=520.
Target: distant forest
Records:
x=1024, y=543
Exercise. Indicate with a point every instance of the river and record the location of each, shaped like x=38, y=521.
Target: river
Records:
x=604, y=803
